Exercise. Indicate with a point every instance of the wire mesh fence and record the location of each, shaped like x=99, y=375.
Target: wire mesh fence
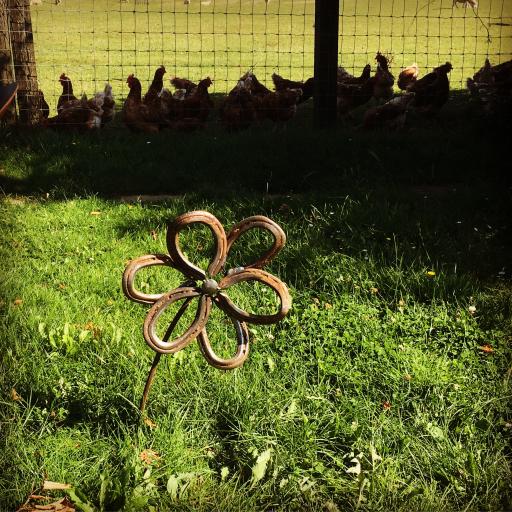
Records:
x=94, y=41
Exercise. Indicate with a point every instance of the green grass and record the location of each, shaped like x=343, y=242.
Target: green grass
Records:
x=367, y=217
x=98, y=40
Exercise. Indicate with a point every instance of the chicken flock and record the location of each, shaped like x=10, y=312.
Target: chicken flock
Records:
x=189, y=105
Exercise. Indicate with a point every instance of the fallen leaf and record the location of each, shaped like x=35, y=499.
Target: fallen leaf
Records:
x=486, y=348
x=48, y=485
x=95, y=212
x=18, y=302
x=154, y=234
x=472, y=310
x=431, y=273
x=62, y=286
x=259, y=469
x=374, y=290
x=407, y=377
x=356, y=470
x=15, y=396
x=327, y=306
x=151, y=424
x=149, y=457
x=386, y=406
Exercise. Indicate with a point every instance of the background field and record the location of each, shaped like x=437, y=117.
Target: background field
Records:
x=98, y=40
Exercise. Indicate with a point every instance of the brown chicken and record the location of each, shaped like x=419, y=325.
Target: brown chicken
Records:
x=188, y=113
x=257, y=88
x=352, y=96
x=137, y=115
x=237, y=111
x=391, y=115
x=153, y=94
x=278, y=106
x=344, y=77
x=408, y=76
x=384, y=80
x=80, y=114
x=67, y=92
x=432, y=91
x=492, y=85
x=183, y=83
x=307, y=87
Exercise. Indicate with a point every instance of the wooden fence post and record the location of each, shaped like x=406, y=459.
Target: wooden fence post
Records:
x=326, y=61
x=22, y=44
x=6, y=71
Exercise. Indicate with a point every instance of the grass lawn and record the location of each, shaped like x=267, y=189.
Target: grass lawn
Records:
x=387, y=387
x=98, y=40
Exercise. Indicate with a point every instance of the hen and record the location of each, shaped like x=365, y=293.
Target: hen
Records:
x=108, y=104
x=307, y=87
x=344, y=77
x=432, y=91
x=384, y=80
x=352, y=96
x=67, y=92
x=408, y=76
x=183, y=83
x=492, y=85
x=80, y=114
x=137, y=115
x=237, y=111
x=278, y=106
x=391, y=115
x=156, y=87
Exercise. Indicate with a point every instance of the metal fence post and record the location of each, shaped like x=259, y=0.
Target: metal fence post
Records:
x=326, y=61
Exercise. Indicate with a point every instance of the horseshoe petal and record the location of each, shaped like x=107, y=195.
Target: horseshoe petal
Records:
x=150, y=260
x=261, y=222
x=242, y=335
x=178, y=258
x=170, y=347
x=253, y=274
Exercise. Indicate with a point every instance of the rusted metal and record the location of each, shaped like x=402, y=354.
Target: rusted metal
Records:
x=208, y=291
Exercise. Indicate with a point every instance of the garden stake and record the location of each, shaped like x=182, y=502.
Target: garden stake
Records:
x=202, y=285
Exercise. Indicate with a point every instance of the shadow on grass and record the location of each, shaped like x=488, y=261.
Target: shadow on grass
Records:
x=458, y=146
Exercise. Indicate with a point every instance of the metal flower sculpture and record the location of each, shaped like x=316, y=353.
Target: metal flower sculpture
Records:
x=207, y=288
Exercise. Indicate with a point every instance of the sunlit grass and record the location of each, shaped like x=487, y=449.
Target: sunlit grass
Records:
x=99, y=40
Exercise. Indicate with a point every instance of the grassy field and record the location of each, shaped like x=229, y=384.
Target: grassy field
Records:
x=386, y=388
x=98, y=40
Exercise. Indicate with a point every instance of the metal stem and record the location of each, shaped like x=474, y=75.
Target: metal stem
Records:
x=158, y=355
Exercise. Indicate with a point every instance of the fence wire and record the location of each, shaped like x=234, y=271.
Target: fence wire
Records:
x=95, y=41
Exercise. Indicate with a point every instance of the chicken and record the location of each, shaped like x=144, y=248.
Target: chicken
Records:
x=432, y=91
x=108, y=104
x=306, y=87
x=67, y=92
x=492, y=85
x=391, y=115
x=190, y=112
x=237, y=111
x=153, y=98
x=80, y=114
x=344, y=77
x=408, y=76
x=384, y=80
x=183, y=83
x=257, y=89
x=153, y=94
x=278, y=106
x=352, y=96
x=137, y=115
